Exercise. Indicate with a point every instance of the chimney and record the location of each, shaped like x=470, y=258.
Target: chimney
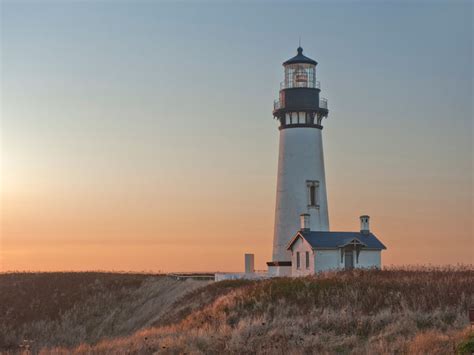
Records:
x=364, y=224
x=249, y=264
x=304, y=222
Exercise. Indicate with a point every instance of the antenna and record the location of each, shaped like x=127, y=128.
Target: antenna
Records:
x=299, y=43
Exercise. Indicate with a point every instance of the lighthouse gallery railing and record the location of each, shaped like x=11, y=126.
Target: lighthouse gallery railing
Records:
x=289, y=84
x=323, y=103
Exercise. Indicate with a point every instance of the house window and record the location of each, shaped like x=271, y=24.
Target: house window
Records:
x=297, y=259
x=313, y=197
x=307, y=259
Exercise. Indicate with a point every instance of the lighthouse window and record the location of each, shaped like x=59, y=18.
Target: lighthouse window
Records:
x=301, y=117
x=300, y=76
x=313, y=193
x=294, y=117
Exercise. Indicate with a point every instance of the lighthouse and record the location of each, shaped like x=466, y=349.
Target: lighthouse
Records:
x=301, y=181
x=302, y=242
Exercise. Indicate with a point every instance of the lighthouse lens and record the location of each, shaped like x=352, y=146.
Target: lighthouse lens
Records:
x=302, y=75
x=301, y=78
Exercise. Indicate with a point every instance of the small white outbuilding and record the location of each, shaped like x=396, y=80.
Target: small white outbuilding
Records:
x=316, y=251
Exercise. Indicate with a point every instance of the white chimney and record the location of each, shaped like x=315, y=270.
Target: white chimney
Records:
x=364, y=224
x=249, y=263
x=304, y=222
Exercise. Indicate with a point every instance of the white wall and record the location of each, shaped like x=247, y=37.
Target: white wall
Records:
x=328, y=260
x=300, y=159
x=302, y=247
x=369, y=258
x=275, y=271
x=331, y=259
x=221, y=276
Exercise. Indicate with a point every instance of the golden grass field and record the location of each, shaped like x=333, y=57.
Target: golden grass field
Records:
x=395, y=311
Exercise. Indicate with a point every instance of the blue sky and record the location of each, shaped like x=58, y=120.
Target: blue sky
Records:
x=127, y=100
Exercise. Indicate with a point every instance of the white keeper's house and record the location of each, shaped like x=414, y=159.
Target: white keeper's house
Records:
x=315, y=251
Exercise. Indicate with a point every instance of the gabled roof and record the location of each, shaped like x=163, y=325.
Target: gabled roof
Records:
x=300, y=58
x=334, y=240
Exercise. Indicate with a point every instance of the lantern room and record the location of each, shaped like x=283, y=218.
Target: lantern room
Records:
x=300, y=72
x=299, y=95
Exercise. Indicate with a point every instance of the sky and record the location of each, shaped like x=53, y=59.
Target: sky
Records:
x=138, y=136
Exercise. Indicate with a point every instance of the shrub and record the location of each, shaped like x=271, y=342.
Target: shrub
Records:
x=466, y=347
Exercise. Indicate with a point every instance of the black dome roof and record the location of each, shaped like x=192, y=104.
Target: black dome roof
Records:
x=300, y=58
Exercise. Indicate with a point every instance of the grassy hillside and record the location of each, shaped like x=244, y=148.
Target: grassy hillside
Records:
x=391, y=311
x=51, y=309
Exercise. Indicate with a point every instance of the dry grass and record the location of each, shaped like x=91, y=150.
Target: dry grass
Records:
x=417, y=311
x=67, y=309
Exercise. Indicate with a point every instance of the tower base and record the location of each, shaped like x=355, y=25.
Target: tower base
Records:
x=279, y=268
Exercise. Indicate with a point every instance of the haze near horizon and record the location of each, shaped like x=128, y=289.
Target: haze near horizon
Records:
x=139, y=135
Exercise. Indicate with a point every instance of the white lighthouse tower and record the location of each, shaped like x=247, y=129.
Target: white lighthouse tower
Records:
x=301, y=182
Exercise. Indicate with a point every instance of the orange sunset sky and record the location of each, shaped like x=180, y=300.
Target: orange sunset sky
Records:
x=139, y=136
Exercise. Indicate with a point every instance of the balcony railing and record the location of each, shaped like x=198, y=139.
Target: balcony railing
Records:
x=302, y=84
x=323, y=103
x=276, y=105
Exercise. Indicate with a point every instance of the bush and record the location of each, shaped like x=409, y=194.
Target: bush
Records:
x=466, y=347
